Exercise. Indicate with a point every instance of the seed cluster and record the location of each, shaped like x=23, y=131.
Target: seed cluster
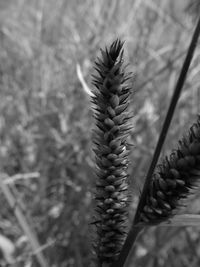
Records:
x=174, y=179
x=111, y=101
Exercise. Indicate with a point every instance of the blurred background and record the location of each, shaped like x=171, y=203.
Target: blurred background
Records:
x=47, y=53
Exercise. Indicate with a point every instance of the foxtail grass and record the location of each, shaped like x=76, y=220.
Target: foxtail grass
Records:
x=111, y=147
x=174, y=179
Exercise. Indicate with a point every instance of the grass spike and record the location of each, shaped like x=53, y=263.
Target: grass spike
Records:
x=112, y=189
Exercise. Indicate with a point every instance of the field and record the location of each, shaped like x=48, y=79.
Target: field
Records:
x=47, y=54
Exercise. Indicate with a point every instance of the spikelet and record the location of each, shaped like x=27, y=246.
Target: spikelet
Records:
x=111, y=100
x=174, y=179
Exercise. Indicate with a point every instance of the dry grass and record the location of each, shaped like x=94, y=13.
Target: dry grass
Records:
x=45, y=117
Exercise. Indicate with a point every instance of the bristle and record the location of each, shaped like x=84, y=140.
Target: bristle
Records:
x=174, y=178
x=111, y=149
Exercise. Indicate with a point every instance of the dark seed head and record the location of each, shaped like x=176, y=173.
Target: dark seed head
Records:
x=110, y=101
x=174, y=179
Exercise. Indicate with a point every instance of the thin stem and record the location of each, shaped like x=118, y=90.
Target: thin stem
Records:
x=170, y=113
x=132, y=237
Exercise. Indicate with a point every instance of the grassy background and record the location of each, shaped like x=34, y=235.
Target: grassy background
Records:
x=46, y=119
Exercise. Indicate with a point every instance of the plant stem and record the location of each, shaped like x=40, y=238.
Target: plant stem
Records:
x=131, y=238
x=168, y=117
x=177, y=91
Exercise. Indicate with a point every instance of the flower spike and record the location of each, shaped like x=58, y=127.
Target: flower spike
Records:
x=111, y=112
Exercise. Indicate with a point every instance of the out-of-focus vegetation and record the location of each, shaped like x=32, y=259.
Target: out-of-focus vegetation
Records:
x=46, y=121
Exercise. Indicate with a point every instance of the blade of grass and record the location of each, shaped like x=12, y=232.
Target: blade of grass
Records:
x=179, y=221
x=21, y=176
x=23, y=223
x=133, y=233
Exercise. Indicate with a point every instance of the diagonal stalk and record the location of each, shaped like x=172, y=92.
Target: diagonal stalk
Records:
x=169, y=116
x=177, y=91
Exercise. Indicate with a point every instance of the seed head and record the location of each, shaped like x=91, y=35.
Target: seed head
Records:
x=174, y=179
x=111, y=99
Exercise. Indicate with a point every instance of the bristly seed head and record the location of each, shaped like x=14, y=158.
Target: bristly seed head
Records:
x=174, y=179
x=111, y=148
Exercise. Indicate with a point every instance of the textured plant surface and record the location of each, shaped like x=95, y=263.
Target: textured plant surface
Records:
x=174, y=178
x=111, y=102
x=45, y=121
